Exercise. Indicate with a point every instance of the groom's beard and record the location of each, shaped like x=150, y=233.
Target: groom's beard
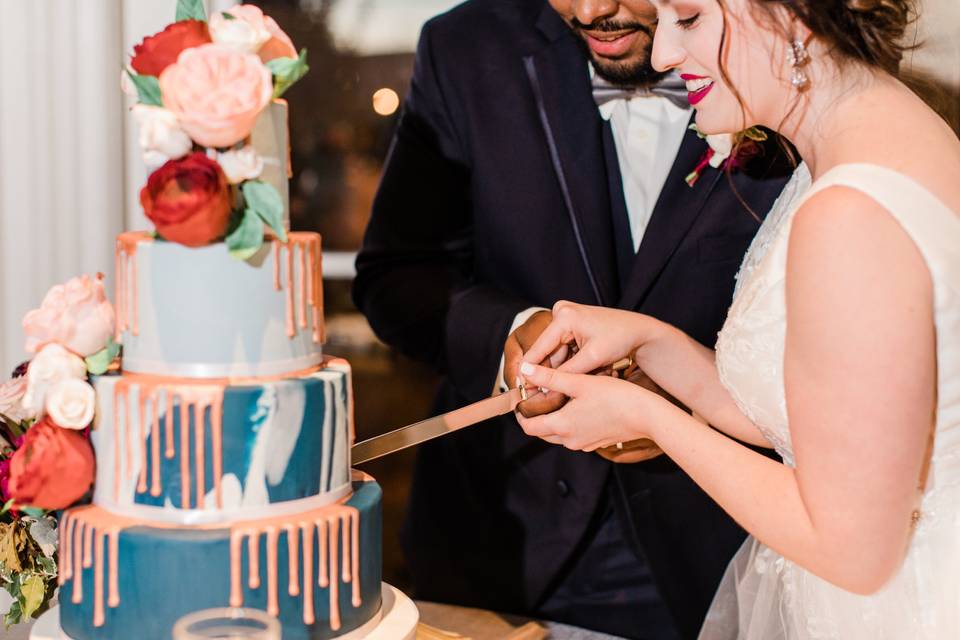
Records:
x=637, y=72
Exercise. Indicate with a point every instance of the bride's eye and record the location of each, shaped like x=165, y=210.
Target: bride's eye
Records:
x=687, y=23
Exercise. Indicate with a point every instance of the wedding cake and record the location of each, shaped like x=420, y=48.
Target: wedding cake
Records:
x=222, y=438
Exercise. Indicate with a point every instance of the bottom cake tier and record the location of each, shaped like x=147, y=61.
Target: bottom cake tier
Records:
x=318, y=571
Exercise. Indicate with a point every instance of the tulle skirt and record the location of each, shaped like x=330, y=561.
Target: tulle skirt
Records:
x=763, y=596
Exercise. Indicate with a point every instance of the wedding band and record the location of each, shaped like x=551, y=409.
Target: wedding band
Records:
x=622, y=365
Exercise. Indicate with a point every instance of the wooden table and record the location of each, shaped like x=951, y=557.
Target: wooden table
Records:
x=477, y=624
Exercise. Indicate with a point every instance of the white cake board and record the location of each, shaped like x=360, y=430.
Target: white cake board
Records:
x=397, y=620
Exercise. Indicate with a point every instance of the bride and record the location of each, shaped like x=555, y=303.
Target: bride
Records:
x=841, y=348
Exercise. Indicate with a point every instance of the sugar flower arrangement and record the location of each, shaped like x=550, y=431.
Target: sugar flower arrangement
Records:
x=200, y=86
x=46, y=410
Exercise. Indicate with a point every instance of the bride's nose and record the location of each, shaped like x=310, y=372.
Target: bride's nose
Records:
x=589, y=11
x=667, y=53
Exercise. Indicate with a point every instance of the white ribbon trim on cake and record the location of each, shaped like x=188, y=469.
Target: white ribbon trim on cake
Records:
x=231, y=370
x=173, y=515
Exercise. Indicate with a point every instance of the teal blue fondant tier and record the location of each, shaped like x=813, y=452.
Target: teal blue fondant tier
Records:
x=280, y=441
x=166, y=573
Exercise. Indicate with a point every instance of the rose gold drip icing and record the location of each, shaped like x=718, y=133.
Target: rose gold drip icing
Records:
x=88, y=548
x=305, y=290
x=97, y=583
x=184, y=454
x=142, y=480
x=194, y=399
x=293, y=559
x=155, y=488
x=201, y=459
x=81, y=524
x=323, y=577
x=304, y=278
x=308, y=616
x=127, y=295
x=168, y=424
x=273, y=606
x=291, y=328
x=253, y=558
x=77, y=558
x=276, y=266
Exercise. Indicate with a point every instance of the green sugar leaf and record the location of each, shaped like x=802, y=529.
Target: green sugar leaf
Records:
x=228, y=16
x=191, y=10
x=148, y=89
x=97, y=363
x=286, y=71
x=264, y=200
x=31, y=595
x=247, y=238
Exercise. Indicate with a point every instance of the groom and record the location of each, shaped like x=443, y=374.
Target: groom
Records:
x=521, y=173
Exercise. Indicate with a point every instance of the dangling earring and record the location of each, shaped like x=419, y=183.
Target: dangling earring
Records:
x=798, y=57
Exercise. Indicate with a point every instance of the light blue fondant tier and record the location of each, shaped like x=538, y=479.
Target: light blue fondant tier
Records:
x=198, y=312
x=165, y=574
x=285, y=445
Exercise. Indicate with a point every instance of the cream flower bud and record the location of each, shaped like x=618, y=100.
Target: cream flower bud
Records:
x=722, y=145
x=245, y=35
x=70, y=403
x=161, y=137
x=51, y=365
x=242, y=164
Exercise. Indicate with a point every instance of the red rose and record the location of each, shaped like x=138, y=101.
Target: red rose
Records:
x=188, y=200
x=53, y=467
x=159, y=51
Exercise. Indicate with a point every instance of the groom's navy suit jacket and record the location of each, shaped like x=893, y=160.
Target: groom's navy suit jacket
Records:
x=502, y=192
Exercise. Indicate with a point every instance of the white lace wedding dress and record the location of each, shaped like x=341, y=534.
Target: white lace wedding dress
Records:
x=763, y=596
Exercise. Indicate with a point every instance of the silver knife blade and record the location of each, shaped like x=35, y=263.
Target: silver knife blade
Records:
x=434, y=427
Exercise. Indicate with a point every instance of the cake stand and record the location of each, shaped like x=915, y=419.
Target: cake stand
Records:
x=397, y=620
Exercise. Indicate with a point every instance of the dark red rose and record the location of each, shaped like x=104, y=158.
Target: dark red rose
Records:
x=188, y=200
x=53, y=467
x=159, y=51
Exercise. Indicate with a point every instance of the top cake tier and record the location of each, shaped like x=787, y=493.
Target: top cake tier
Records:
x=199, y=313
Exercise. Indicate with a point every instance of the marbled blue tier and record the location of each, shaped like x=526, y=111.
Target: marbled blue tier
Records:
x=166, y=573
x=283, y=444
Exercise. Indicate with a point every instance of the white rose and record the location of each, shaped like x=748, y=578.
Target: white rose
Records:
x=51, y=365
x=240, y=165
x=161, y=137
x=70, y=403
x=238, y=33
x=722, y=145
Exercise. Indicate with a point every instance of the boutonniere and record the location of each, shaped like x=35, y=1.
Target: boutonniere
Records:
x=726, y=150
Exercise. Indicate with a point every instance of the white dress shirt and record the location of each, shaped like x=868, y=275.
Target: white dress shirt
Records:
x=647, y=133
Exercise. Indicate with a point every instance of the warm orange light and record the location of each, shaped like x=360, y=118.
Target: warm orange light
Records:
x=386, y=101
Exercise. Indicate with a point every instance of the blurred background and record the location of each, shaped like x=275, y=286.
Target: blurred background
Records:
x=70, y=168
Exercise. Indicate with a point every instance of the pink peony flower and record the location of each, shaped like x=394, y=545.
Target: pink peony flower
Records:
x=76, y=315
x=11, y=396
x=216, y=92
x=258, y=33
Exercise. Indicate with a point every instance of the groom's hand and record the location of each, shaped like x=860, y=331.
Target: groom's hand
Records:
x=516, y=345
x=643, y=449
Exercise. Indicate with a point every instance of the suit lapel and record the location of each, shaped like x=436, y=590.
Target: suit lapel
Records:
x=573, y=130
x=674, y=214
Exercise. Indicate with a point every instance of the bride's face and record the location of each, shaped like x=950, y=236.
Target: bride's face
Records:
x=689, y=38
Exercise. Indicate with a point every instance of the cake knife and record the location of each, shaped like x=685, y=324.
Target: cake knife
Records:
x=435, y=427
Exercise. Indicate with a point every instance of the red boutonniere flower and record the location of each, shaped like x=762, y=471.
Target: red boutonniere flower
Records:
x=159, y=51
x=727, y=151
x=188, y=200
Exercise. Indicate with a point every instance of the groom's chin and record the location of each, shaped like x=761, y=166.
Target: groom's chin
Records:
x=630, y=73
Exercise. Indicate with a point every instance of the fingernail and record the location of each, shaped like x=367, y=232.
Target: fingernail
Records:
x=526, y=368
x=544, y=390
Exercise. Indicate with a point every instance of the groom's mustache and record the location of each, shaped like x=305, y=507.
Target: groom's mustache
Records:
x=611, y=26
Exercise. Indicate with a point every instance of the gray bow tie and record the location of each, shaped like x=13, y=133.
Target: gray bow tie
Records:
x=670, y=87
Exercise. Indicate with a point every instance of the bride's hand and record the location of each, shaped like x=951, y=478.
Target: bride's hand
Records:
x=601, y=336
x=602, y=410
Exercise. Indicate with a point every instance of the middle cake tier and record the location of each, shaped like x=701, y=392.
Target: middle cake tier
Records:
x=208, y=450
